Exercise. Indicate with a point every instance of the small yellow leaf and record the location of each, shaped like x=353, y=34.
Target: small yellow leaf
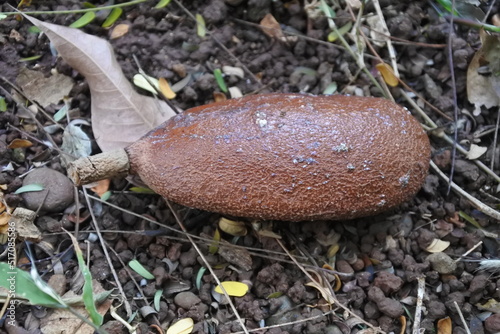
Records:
x=214, y=246
x=444, y=326
x=402, y=320
x=388, y=74
x=166, y=89
x=235, y=289
x=183, y=326
x=338, y=283
x=18, y=143
x=437, y=246
x=332, y=251
x=119, y=30
x=233, y=227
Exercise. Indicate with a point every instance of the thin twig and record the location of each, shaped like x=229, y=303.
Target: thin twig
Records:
x=469, y=251
x=207, y=265
x=455, y=103
x=420, y=301
x=128, y=308
x=390, y=48
x=221, y=45
x=346, y=309
x=462, y=317
x=433, y=125
x=493, y=153
x=474, y=201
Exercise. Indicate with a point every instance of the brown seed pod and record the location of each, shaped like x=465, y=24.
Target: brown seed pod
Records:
x=286, y=157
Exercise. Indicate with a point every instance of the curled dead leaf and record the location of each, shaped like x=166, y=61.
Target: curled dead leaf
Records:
x=444, y=326
x=271, y=27
x=20, y=143
x=233, y=227
x=437, y=246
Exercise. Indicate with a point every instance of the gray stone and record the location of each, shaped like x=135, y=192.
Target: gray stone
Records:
x=186, y=300
x=442, y=263
x=60, y=191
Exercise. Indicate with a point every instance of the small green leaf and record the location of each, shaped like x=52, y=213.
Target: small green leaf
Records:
x=142, y=190
x=23, y=60
x=87, y=4
x=83, y=20
x=106, y=195
x=199, y=276
x=138, y=268
x=162, y=3
x=275, y=295
x=201, y=29
x=34, y=30
x=156, y=299
x=330, y=89
x=469, y=219
x=61, y=113
x=112, y=17
x=3, y=16
x=88, y=292
x=3, y=104
x=29, y=188
x=220, y=80
x=141, y=81
x=334, y=35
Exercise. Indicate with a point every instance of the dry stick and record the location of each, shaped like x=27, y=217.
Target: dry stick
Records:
x=390, y=48
x=420, y=300
x=469, y=251
x=200, y=253
x=474, y=201
x=222, y=46
x=455, y=103
x=286, y=323
x=495, y=141
x=462, y=317
x=128, y=308
x=433, y=125
x=346, y=309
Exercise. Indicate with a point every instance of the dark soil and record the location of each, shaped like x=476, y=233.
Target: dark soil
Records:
x=379, y=259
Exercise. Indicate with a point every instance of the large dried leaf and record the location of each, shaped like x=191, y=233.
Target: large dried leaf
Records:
x=484, y=89
x=120, y=115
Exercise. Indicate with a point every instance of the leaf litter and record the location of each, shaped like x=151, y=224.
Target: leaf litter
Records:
x=115, y=104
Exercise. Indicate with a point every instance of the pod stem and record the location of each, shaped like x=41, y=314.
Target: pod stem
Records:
x=99, y=167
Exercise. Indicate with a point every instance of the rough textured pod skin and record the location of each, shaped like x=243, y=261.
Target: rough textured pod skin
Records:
x=287, y=157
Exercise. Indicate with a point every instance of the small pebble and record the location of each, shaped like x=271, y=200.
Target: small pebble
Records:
x=442, y=263
x=60, y=191
x=492, y=323
x=186, y=300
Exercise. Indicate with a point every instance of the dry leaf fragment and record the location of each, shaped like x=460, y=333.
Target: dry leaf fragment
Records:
x=484, y=90
x=23, y=220
x=444, y=326
x=476, y=151
x=116, y=106
x=237, y=256
x=19, y=143
x=437, y=246
x=101, y=187
x=166, y=89
x=402, y=320
x=233, y=227
x=119, y=31
x=271, y=27
x=44, y=90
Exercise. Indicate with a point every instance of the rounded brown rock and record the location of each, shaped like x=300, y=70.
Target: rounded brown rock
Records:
x=287, y=157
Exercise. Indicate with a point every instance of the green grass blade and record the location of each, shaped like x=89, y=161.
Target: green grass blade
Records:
x=88, y=293
x=83, y=20
x=112, y=17
x=22, y=285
